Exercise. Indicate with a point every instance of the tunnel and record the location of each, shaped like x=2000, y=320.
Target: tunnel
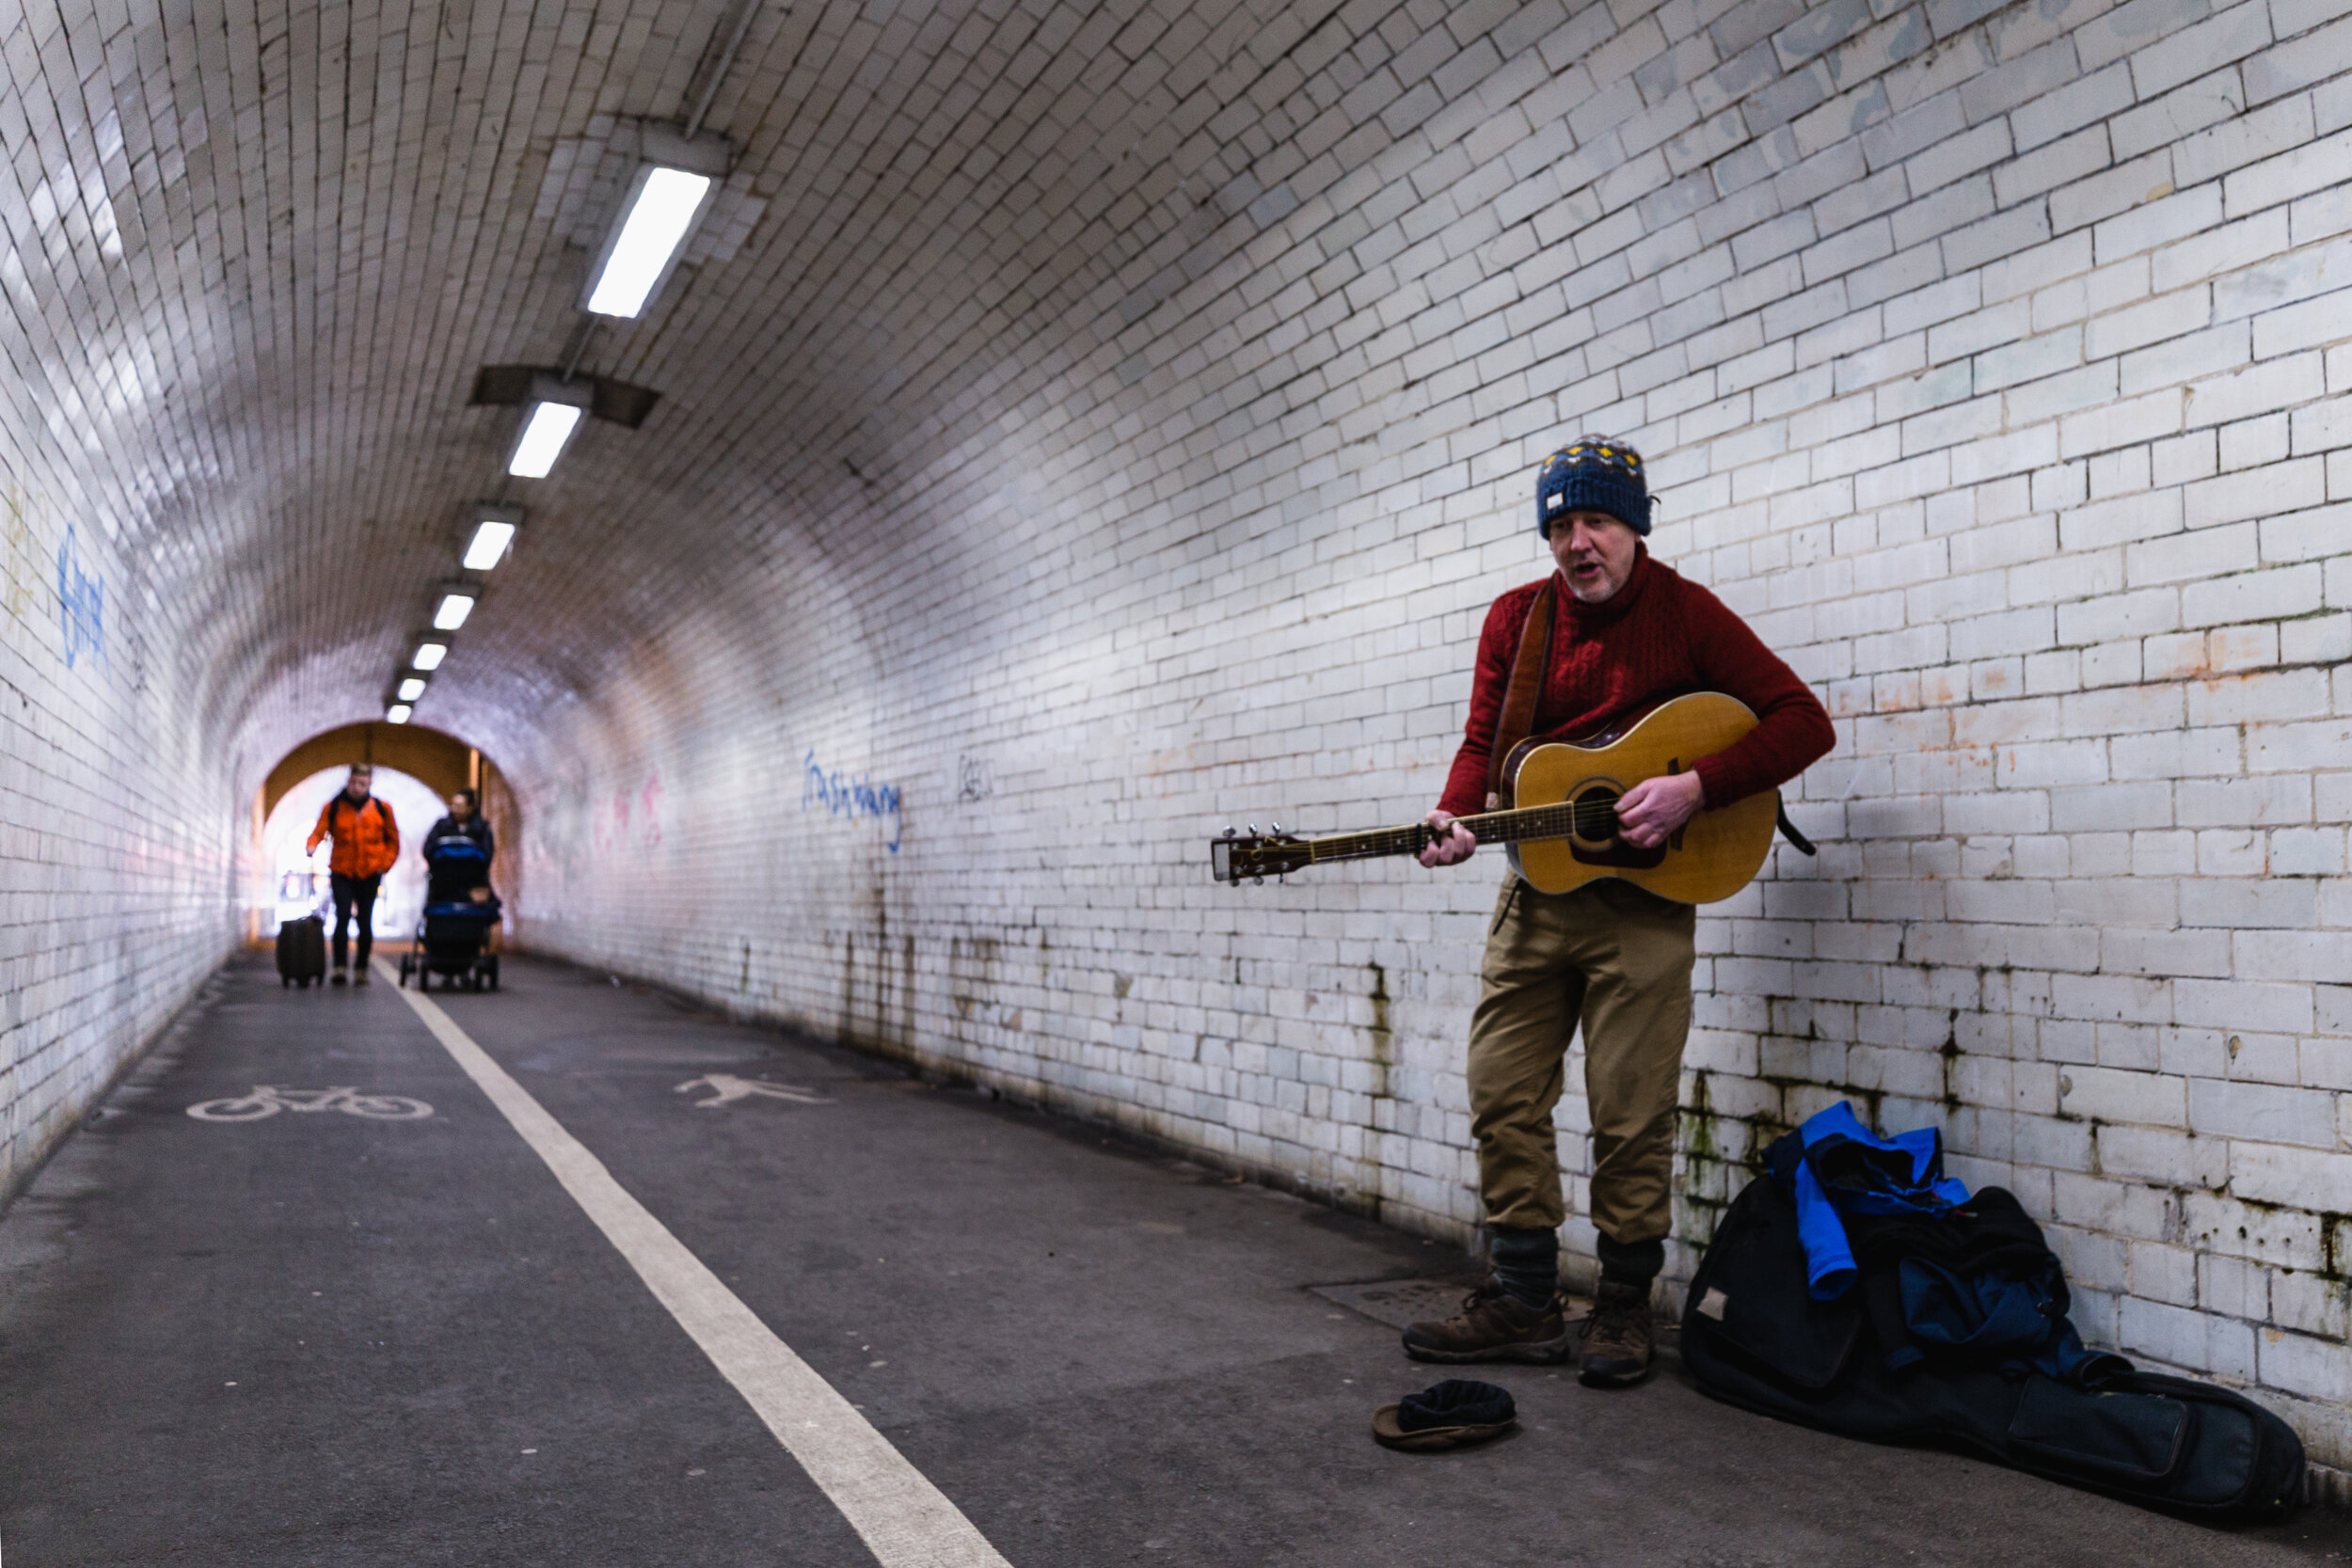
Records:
x=883, y=503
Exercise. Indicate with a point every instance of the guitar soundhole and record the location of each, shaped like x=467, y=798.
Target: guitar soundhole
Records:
x=1596, y=815
x=1596, y=841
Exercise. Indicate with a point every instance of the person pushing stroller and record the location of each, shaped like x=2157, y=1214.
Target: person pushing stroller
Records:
x=460, y=906
x=465, y=820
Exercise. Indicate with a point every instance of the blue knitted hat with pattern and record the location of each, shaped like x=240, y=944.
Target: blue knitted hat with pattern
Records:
x=1593, y=473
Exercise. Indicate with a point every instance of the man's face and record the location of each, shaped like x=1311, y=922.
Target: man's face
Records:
x=459, y=808
x=361, y=778
x=1595, y=553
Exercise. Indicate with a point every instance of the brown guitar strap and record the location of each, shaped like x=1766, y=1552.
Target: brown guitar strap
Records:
x=1527, y=685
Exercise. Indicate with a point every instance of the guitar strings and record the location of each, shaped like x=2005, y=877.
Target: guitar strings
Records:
x=1584, y=819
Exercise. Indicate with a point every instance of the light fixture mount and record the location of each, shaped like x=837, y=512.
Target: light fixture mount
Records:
x=616, y=402
x=667, y=145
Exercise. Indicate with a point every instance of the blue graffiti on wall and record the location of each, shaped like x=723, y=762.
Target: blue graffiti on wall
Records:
x=81, y=604
x=851, y=798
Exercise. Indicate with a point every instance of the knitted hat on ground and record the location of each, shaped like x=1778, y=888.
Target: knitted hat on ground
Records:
x=1456, y=1403
x=1593, y=473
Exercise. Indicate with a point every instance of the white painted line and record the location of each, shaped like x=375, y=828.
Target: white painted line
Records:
x=905, y=1521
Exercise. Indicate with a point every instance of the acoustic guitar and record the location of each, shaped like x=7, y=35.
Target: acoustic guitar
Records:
x=1561, y=825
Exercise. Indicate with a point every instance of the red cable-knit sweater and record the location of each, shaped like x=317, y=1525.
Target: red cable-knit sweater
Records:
x=1657, y=637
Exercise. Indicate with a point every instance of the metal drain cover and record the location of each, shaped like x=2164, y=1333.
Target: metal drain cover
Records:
x=1398, y=1303
x=1402, y=1303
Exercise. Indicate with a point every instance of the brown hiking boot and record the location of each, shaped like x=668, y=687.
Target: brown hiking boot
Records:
x=1616, y=1338
x=1494, y=1326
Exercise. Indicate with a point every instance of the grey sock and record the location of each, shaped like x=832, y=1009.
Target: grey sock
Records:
x=1526, y=1262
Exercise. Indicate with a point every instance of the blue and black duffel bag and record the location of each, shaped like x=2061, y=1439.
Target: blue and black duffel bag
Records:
x=1986, y=1362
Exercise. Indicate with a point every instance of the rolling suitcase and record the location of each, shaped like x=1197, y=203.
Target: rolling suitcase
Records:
x=302, y=951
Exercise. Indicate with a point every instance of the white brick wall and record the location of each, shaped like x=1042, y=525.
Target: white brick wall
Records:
x=118, y=804
x=1115, y=425
x=1995, y=367
x=115, y=818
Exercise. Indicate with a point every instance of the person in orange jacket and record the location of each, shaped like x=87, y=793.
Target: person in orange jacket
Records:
x=367, y=842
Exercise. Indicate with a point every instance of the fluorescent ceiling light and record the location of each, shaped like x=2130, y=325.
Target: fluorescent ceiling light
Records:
x=453, y=610
x=491, y=536
x=663, y=205
x=547, y=427
x=396, y=714
x=429, y=655
x=412, y=689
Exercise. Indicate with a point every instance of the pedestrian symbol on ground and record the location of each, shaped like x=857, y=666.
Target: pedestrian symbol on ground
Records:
x=267, y=1100
x=731, y=1088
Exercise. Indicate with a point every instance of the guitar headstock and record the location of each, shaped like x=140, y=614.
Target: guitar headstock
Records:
x=1255, y=856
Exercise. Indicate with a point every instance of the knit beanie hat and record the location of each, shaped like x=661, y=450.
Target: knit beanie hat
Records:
x=1593, y=473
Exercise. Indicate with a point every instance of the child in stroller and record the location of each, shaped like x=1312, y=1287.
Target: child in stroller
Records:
x=459, y=907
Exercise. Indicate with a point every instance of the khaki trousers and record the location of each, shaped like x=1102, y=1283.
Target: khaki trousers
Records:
x=1617, y=960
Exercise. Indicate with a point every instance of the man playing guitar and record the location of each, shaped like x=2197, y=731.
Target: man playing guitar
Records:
x=1608, y=634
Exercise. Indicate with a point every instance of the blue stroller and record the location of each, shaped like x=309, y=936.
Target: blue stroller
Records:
x=459, y=910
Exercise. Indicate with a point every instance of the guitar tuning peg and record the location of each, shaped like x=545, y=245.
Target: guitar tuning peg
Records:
x=1228, y=833
x=1254, y=830
x=1278, y=829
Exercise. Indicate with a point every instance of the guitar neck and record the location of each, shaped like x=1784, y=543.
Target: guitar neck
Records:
x=1595, y=821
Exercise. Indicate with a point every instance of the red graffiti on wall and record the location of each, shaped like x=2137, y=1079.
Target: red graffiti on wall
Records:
x=649, y=813
x=629, y=821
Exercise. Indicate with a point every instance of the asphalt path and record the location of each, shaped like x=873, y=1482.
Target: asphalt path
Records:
x=321, y=1336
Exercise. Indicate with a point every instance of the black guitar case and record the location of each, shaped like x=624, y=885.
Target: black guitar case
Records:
x=1753, y=1335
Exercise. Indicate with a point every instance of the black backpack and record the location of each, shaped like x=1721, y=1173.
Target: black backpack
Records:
x=1753, y=1335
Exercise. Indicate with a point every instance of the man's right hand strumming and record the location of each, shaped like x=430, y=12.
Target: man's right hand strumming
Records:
x=1453, y=848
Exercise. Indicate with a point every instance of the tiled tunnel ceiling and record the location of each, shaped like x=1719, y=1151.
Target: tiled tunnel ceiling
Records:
x=258, y=253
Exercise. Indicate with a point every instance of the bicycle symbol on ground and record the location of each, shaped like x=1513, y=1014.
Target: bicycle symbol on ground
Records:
x=267, y=1100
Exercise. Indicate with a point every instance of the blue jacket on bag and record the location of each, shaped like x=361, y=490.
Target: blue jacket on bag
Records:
x=1942, y=1274
x=1901, y=1175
